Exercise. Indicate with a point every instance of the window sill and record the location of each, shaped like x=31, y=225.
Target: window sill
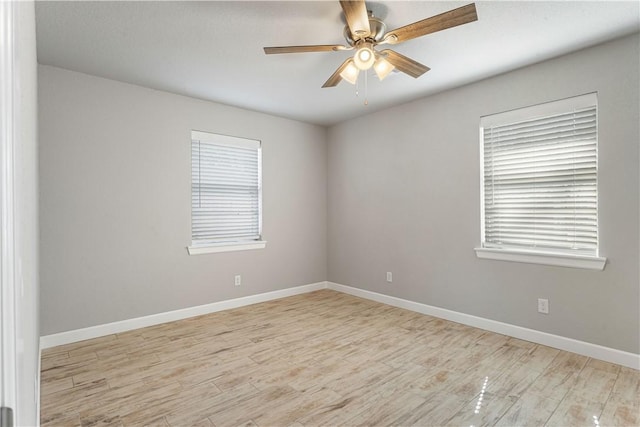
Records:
x=226, y=247
x=531, y=257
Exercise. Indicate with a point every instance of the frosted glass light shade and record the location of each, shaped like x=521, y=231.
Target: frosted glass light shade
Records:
x=350, y=73
x=382, y=68
x=364, y=58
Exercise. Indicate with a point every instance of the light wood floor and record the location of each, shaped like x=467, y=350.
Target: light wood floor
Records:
x=327, y=358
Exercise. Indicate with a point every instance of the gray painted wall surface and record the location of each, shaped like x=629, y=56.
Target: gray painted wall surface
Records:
x=404, y=196
x=115, y=202
x=26, y=216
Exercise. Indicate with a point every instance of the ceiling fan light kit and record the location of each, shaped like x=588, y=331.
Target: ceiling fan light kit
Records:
x=364, y=32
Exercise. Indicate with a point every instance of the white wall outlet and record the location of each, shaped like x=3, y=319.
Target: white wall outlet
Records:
x=389, y=277
x=543, y=306
x=238, y=280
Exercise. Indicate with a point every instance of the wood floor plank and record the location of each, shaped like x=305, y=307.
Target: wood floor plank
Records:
x=68, y=419
x=327, y=358
x=560, y=376
x=124, y=400
x=594, y=384
x=513, y=381
x=52, y=386
x=436, y=410
x=298, y=406
x=576, y=411
x=486, y=409
x=619, y=411
x=627, y=384
x=341, y=411
x=164, y=402
x=382, y=415
x=539, y=357
x=252, y=407
x=199, y=409
x=69, y=368
x=529, y=410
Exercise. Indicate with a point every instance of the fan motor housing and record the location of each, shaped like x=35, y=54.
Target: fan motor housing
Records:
x=377, y=27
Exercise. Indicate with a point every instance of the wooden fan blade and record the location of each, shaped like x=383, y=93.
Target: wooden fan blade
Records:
x=303, y=49
x=452, y=18
x=404, y=64
x=355, y=12
x=335, y=77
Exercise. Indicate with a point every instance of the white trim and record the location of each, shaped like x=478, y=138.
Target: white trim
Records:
x=226, y=247
x=596, y=351
x=531, y=257
x=233, y=141
x=76, y=335
x=9, y=346
x=540, y=110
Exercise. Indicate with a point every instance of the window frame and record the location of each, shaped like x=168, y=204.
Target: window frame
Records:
x=212, y=246
x=536, y=255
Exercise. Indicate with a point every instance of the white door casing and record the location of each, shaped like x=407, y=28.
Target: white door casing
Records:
x=8, y=348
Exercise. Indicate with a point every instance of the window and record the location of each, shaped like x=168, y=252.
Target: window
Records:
x=226, y=193
x=540, y=184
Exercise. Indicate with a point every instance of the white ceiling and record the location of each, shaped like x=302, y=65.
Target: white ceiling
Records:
x=213, y=50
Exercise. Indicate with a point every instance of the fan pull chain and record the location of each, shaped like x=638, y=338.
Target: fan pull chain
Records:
x=366, y=86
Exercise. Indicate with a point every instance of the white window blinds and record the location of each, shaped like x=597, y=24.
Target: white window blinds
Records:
x=540, y=178
x=225, y=189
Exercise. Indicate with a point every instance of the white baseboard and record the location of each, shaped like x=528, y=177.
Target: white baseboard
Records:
x=76, y=335
x=595, y=351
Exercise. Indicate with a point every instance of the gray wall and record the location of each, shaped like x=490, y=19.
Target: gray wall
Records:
x=115, y=202
x=404, y=197
x=26, y=216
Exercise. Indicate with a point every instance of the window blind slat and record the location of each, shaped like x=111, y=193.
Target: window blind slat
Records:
x=540, y=183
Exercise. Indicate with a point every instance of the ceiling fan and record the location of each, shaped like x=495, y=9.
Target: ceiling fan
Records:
x=364, y=32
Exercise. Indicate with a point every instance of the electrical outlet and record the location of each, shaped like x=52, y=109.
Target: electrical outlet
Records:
x=238, y=280
x=389, y=277
x=543, y=306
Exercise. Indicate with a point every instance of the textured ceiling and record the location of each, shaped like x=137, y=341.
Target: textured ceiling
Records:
x=213, y=50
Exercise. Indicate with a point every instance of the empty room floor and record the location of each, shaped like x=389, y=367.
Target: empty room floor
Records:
x=327, y=358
